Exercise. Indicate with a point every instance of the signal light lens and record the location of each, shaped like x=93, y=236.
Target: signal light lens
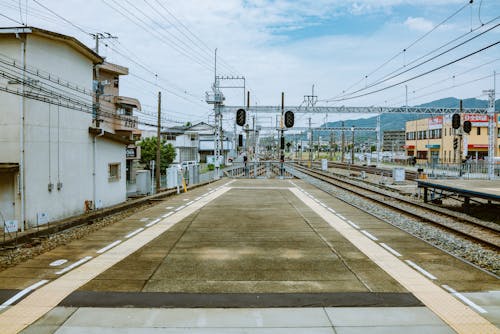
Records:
x=241, y=117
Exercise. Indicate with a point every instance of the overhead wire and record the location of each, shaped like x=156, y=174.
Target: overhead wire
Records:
x=61, y=17
x=448, y=88
x=406, y=48
x=447, y=78
x=11, y=19
x=419, y=75
x=421, y=63
x=159, y=36
x=189, y=33
x=124, y=55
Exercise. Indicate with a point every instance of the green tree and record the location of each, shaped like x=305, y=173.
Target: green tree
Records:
x=148, y=152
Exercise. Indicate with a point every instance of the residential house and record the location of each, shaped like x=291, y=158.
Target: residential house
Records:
x=55, y=161
x=194, y=142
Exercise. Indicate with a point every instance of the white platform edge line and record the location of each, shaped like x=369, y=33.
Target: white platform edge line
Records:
x=369, y=235
x=108, y=247
x=74, y=265
x=420, y=269
x=131, y=234
x=464, y=299
x=390, y=249
x=22, y=293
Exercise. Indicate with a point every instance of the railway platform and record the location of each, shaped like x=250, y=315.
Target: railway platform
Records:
x=249, y=256
x=467, y=189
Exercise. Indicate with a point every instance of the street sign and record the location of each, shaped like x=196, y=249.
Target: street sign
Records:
x=11, y=226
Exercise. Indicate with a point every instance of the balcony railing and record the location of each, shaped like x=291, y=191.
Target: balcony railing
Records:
x=125, y=123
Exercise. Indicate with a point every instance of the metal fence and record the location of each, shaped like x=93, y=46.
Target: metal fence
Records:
x=260, y=169
x=466, y=170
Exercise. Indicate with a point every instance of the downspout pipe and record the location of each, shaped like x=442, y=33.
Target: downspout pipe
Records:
x=94, y=189
x=21, y=184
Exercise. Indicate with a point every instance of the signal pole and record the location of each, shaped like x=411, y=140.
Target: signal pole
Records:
x=331, y=144
x=217, y=99
x=158, y=145
x=491, y=133
x=310, y=142
x=343, y=144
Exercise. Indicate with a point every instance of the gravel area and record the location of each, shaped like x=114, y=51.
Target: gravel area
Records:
x=9, y=258
x=482, y=257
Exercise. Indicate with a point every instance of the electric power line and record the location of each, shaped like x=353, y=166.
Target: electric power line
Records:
x=421, y=63
x=406, y=48
x=419, y=75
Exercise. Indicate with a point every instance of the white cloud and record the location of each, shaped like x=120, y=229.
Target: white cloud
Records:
x=252, y=36
x=419, y=24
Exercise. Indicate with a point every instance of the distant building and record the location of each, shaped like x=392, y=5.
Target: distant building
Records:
x=393, y=140
x=54, y=162
x=194, y=142
x=432, y=139
x=119, y=112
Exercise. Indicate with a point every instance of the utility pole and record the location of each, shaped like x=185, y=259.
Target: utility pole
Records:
x=319, y=144
x=98, y=86
x=343, y=144
x=331, y=144
x=158, y=145
x=352, y=148
x=310, y=143
x=282, y=137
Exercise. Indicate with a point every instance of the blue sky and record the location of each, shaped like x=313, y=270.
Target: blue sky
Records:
x=281, y=46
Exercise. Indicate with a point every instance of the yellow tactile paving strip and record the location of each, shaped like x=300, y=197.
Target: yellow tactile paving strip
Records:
x=457, y=315
x=49, y=296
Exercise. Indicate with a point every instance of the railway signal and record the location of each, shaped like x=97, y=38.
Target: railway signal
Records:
x=289, y=119
x=455, y=121
x=467, y=126
x=241, y=117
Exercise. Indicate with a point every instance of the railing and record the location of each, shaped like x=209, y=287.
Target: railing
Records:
x=466, y=170
x=260, y=169
x=126, y=123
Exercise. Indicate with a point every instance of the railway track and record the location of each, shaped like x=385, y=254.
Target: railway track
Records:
x=477, y=231
x=409, y=175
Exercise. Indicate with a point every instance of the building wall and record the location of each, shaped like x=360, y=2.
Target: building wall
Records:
x=7, y=196
x=425, y=147
x=9, y=107
x=58, y=146
x=393, y=140
x=110, y=192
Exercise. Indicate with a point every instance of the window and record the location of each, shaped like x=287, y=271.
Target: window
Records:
x=114, y=171
x=478, y=131
x=116, y=81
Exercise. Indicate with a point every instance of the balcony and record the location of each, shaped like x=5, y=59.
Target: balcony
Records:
x=125, y=123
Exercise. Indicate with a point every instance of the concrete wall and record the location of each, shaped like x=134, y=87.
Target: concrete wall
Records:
x=110, y=192
x=9, y=107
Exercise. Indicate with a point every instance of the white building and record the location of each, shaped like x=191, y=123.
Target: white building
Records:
x=195, y=142
x=54, y=162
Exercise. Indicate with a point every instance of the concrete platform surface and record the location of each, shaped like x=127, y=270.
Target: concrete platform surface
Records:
x=236, y=245
x=411, y=320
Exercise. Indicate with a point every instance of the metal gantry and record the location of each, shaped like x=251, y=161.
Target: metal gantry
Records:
x=311, y=108
x=355, y=110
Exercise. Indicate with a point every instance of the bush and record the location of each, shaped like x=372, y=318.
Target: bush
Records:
x=211, y=167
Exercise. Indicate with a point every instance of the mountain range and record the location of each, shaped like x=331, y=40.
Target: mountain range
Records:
x=397, y=121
